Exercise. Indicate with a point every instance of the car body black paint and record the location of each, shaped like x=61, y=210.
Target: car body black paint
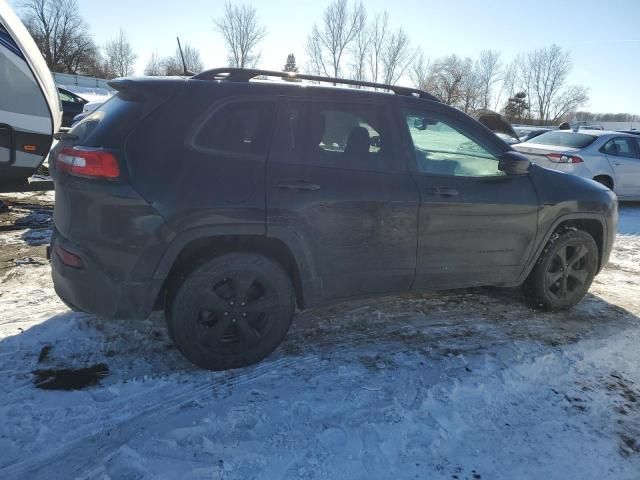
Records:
x=362, y=232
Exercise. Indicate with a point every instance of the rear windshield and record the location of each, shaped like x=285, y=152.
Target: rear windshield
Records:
x=564, y=139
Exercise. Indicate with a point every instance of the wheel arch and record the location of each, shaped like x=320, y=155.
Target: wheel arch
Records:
x=186, y=253
x=605, y=179
x=592, y=224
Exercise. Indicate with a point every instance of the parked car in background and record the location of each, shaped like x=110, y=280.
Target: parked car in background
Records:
x=289, y=195
x=499, y=125
x=633, y=131
x=527, y=133
x=610, y=158
x=72, y=105
x=590, y=127
x=89, y=108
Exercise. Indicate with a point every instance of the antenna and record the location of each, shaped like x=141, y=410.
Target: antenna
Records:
x=187, y=73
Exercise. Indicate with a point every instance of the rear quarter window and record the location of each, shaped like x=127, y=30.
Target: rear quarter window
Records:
x=241, y=127
x=106, y=124
x=564, y=139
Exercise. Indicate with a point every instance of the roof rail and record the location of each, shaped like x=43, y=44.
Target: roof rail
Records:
x=246, y=74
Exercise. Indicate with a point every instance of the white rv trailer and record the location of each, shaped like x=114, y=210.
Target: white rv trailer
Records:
x=30, y=111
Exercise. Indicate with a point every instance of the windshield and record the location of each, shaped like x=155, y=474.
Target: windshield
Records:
x=564, y=139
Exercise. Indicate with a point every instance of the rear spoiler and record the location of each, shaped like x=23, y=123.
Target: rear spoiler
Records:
x=141, y=87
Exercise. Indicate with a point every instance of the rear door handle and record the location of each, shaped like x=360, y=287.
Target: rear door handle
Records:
x=442, y=192
x=298, y=185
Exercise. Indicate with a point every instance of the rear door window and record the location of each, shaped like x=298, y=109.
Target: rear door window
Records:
x=238, y=128
x=341, y=135
x=620, y=147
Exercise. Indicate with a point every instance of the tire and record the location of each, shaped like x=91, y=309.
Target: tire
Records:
x=231, y=311
x=564, y=272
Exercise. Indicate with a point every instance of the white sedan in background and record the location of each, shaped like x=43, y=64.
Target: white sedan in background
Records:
x=611, y=158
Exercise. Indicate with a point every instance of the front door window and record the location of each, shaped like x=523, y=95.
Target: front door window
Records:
x=442, y=149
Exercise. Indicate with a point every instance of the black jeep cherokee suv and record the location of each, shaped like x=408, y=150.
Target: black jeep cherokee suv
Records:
x=229, y=202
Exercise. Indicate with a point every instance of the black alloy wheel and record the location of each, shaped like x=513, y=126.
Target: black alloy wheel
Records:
x=231, y=311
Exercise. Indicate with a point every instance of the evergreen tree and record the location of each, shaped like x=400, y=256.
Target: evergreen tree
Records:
x=516, y=106
x=291, y=65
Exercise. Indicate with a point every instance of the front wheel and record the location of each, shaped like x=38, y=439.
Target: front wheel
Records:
x=231, y=311
x=564, y=272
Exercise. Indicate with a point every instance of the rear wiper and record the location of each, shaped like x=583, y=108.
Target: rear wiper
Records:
x=65, y=136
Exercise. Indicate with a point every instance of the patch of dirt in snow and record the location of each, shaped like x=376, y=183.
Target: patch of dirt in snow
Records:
x=465, y=384
x=25, y=229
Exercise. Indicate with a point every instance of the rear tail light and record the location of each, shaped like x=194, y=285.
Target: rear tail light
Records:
x=68, y=258
x=88, y=163
x=559, y=158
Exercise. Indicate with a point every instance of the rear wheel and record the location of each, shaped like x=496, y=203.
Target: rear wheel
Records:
x=564, y=272
x=231, y=311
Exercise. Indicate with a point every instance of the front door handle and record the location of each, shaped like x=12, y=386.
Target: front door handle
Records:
x=298, y=185
x=442, y=192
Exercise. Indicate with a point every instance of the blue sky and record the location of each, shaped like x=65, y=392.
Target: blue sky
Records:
x=603, y=36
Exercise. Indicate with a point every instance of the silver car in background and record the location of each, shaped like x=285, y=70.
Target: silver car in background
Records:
x=610, y=158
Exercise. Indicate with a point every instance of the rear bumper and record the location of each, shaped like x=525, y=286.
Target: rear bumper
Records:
x=91, y=290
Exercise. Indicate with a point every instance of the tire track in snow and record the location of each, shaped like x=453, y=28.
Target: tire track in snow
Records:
x=422, y=323
x=84, y=455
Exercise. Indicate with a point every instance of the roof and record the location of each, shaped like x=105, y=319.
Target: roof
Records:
x=599, y=133
x=245, y=75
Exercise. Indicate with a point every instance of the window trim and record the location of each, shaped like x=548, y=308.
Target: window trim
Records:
x=407, y=108
x=203, y=119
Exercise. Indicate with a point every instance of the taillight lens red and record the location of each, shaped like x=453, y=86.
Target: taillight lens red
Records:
x=88, y=163
x=68, y=258
x=560, y=158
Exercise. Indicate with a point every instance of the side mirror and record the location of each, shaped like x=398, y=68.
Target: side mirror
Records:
x=514, y=163
x=421, y=123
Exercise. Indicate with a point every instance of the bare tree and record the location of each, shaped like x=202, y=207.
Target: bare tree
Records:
x=471, y=87
x=572, y=98
x=95, y=66
x=396, y=55
x=548, y=69
x=419, y=71
x=508, y=82
x=540, y=76
x=119, y=56
x=154, y=66
x=487, y=69
x=328, y=44
x=445, y=79
x=242, y=34
x=192, y=59
x=61, y=34
x=524, y=81
x=378, y=36
x=172, y=65
x=360, y=51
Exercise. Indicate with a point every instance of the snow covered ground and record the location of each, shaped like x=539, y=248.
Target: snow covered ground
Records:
x=470, y=384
